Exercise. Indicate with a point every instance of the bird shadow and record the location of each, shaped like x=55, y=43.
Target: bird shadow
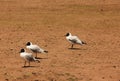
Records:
x=74, y=48
x=40, y=58
x=29, y=66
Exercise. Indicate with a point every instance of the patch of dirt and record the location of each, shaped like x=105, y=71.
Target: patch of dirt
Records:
x=45, y=23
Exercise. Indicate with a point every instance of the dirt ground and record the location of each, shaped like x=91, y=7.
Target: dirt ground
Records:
x=45, y=22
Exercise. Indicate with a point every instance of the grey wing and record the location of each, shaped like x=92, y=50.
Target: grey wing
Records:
x=29, y=58
x=75, y=39
x=38, y=49
x=35, y=48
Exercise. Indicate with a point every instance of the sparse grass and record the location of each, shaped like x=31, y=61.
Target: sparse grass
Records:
x=60, y=74
x=68, y=74
x=72, y=79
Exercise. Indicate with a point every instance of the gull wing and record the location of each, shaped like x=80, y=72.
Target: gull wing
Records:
x=29, y=57
x=75, y=39
x=35, y=48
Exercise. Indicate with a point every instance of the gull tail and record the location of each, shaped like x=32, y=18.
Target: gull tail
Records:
x=36, y=60
x=45, y=51
x=84, y=42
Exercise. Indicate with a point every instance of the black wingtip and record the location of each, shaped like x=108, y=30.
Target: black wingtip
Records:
x=46, y=51
x=38, y=61
x=84, y=42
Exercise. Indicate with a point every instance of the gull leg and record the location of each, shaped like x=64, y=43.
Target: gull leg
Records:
x=36, y=55
x=72, y=46
x=25, y=64
x=29, y=63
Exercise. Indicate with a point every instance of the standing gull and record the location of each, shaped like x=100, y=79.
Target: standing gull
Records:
x=35, y=48
x=74, y=39
x=27, y=57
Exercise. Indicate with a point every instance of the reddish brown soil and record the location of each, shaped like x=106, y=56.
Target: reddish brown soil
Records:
x=45, y=22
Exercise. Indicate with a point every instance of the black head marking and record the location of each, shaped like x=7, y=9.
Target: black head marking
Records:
x=67, y=34
x=28, y=44
x=22, y=50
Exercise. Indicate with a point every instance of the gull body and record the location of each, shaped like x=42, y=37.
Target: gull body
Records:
x=27, y=57
x=35, y=48
x=74, y=39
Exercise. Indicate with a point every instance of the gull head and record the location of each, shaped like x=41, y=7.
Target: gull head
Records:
x=28, y=43
x=68, y=34
x=22, y=50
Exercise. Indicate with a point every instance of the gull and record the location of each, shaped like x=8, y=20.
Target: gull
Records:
x=74, y=39
x=27, y=57
x=35, y=48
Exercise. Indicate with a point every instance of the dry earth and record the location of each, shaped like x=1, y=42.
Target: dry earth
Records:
x=45, y=22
